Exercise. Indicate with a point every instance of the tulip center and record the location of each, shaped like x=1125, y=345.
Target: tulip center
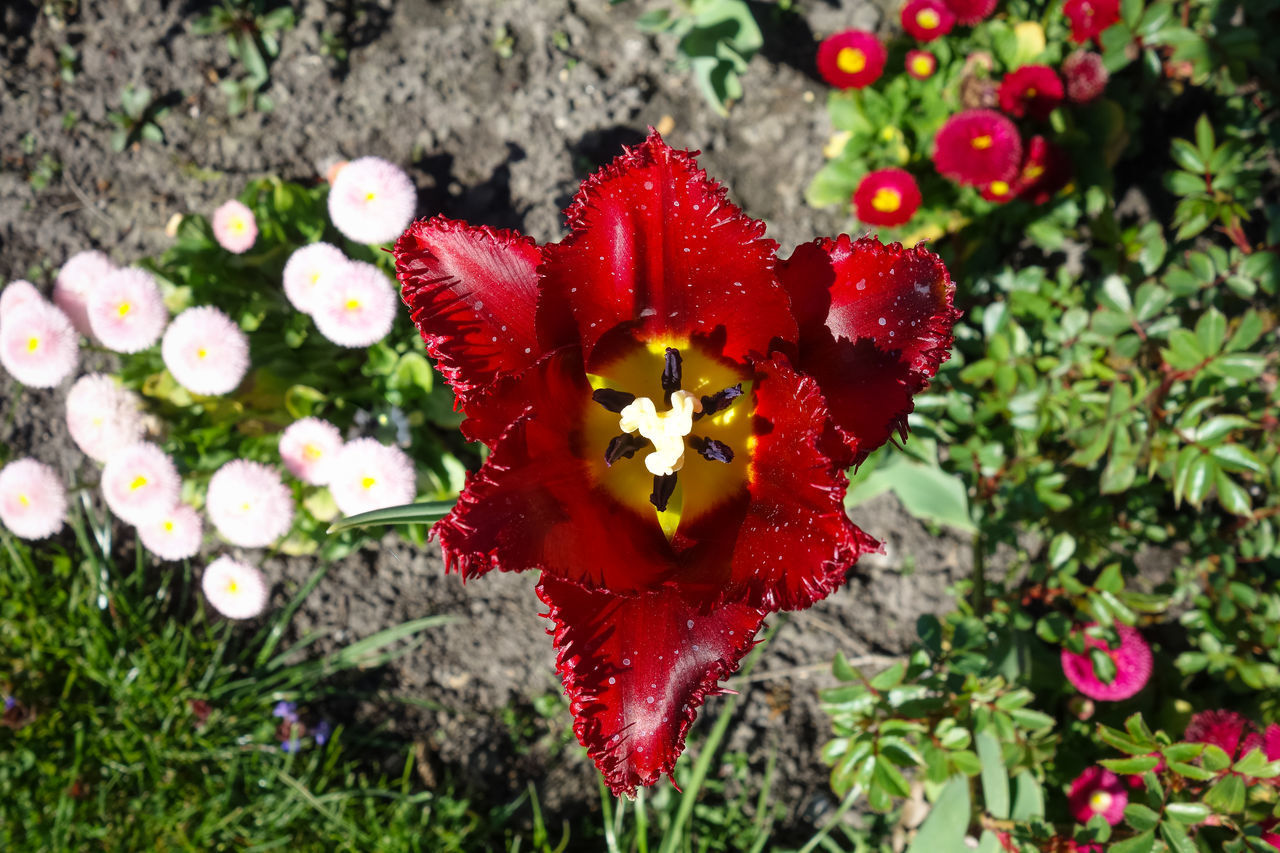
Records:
x=33, y=344
x=928, y=19
x=886, y=200
x=981, y=143
x=1099, y=801
x=665, y=430
x=851, y=60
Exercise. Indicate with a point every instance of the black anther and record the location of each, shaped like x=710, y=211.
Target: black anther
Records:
x=623, y=446
x=719, y=401
x=614, y=401
x=671, y=374
x=663, y=487
x=710, y=449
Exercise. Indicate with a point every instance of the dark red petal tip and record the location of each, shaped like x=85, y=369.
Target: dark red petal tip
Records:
x=472, y=292
x=636, y=669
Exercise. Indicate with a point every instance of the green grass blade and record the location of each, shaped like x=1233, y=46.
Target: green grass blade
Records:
x=427, y=512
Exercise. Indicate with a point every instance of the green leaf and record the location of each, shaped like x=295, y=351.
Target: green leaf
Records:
x=1199, y=479
x=1115, y=294
x=948, y=820
x=995, y=780
x=1242, y=365
x=1188, y=813
x=1142, y=843
x=1255, y=764
x=1177, y=839
x=1232, y=496
x=1140, y=817
x=427, y=512
x=1061, y=549
x=1227, y=796
x=1211, y=331
x=1184, y=351
x=1131, y=766
x=1186, y=156
x=890, y=677
x=1028, y=800
x=1204, y=137
x=1215, y=428
x=1248, y=331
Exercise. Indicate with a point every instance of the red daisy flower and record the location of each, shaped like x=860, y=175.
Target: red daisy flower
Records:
x=886, y=197
x=1000, y=192
x=851, y=59
x=1090, y=17
x=1132, y=659
x=1271, y=742
x=970, y=12
x=927, y=19
x=1086, y=76
x=669, y=411
x=1032, y=90
x=976, y=147
x=1229, y=731
x=1098, y=791
x=921, y=64
x=1046, y=169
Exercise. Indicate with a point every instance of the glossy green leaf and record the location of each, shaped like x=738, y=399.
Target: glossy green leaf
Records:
x=948, y=820
x=420, y=513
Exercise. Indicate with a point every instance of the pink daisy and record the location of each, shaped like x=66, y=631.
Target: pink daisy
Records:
x=79, y=276
x=175, y=535
x=236, y=590
x=32, y=499
x=976, y=147
x=308, y=448
x=126, y=310
x=305, y=270
x=234, y=227
x=1132, y=659
x=1098, y=791
x=17, y=293
x=372, y=201
x=970, y=12
x=38, y=345
x=356, y=308
x=206, y=351
x=103, y=417
x=367, y=475
x=140, y=483
x=249, y=504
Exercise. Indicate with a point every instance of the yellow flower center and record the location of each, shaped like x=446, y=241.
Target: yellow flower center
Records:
x=1099, y=801
x=922, y=65
x=928, y=19
x=202, y=353
x=315, y=276
x=1033, y=171
x=665, y=429
x=368, y=482
x=981, y=143
x=886, y=200
x=850, y=60
x=998, y=188
x=237, y=225
x=1031, y=92
x=23, y=499
x=168, y=526
x=138, y=482
x=311, y=453
x=232, y=586
x=353, y=305
x=124, y=308
x=33, y=343
x=370, y=196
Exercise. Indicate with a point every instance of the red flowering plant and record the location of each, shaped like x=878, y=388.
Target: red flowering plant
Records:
x=669, y=409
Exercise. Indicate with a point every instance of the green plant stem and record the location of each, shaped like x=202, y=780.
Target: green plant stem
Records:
x=845, y=804
x=979, y=575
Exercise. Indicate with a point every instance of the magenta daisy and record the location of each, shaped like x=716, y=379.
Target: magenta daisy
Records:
x=236, y=590
x=249, y=504
x=357, y=307
x=174, y=535
x=371, y=200
x=38, y=345
x=17, y=293
x=1132, y=659
x=103, y=417
x=308, y=448
x=206, y=351
x=305, y=270
x=1098, y=791
x=367, y=475
x=82, y=272
x=33, y=502
x=234, y=227
x=140, y=483
x=126, y=310
x=976, y=147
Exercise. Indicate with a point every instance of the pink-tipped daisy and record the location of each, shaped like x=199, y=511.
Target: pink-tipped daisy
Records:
x=1098, y=791
x=305, y=271
x=17, y=293
x=126, y=310
x=372, y=201
x=32, y=499
x=79, y=276
x=852, y=59
x=175, y=535
x=206, y=351
x=1086, y=76
x=357, y=307
x=249, y=504
x=308, y=448
x=976, y=147
x=102, y=416
x=1132, y=659
x=140, y=483
x=38, y=345
x=236, y=590
x=367, y=475
x=234, y=227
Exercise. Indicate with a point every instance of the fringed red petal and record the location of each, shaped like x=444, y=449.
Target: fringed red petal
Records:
x=636, y=669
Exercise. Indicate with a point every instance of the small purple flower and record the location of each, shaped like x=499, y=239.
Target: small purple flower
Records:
x=287, y=711
x=9, y=702
x=322, y=732
x=291, y=745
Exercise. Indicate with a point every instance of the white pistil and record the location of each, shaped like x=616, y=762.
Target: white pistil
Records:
x=667, y=430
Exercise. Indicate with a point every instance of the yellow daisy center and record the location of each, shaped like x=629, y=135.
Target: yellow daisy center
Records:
x=33, y=343
x=850, y=60
x=311, y=453
x=1033, y=171
x=237, y=225
x=138, y=482
x=981, y=143
x=370, y=196
x=998, y=188
x=168, y=526
x=1031, y=92
x=353, y=305
x=1099, y=801
x=232, y=586
x=23, y=499
x=928, y=19
x=202, y=353
x=922, y=65
x=886, y=200
x=124, y=308
x=368, y=482
x=315, y=276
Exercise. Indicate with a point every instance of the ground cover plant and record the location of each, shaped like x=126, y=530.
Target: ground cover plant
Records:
x=1104, y=435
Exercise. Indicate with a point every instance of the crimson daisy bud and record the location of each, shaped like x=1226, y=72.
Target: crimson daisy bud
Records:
x=174, y=535
x=248, y=504
x=921, y=64
x=17, y=293
x=33, y=501
x=1046, y=169
x=970, y=12
x=126, y=310
x=38, y=345
x=371, y=200
x=234, y=227
x=1086, y=76
x=1032, y=90
x=1098, y=791
x=1132, y=659
x=305, y=270
x=976, y=147
x=851, y=59
x=307, y=449
x=206, y=351
x=887, y=197
x=367, y=475
x=236, y=590
x=356, y=307
x=103, y=417
x=1090, y=17
x=79, y=276
x=927, y=19
x=140, y=483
